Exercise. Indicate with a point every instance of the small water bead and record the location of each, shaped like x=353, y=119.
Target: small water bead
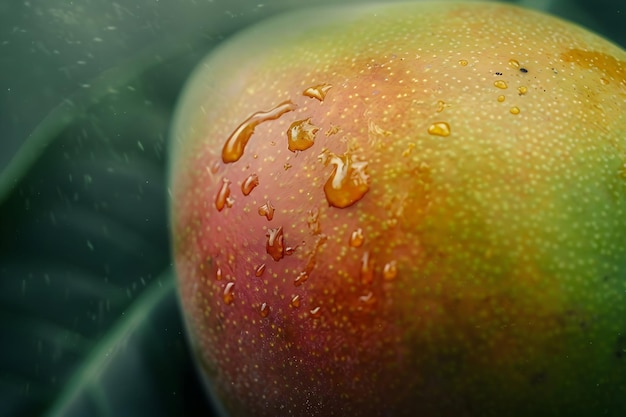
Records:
x=264, y=310
x=258, y=272
x=440, y=106
x=313, y=221
x=295, y=301
x=390, y=271
x=267, y=210
x=218, y=274
x=301, y=135
x=357, y=238
x=349, y=181
x=501, y=84
x=236, y=143
x=316, y=312
x=514, y=110
x=604, y=81
x=249, y=184
x=223, y=199
x=367, y=269
x=501, y=99
x=229, y=293
x=514, y=63
x=300, y=279
x=275, y=246
x=522, y=90
x=367, y=298
x=463, y=62
x=439, y=129
x=317, y=92
x=215, y=166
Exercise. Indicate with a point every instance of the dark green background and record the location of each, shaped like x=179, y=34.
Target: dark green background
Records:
x=89, y=321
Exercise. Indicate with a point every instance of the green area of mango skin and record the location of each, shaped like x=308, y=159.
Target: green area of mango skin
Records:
x=509, y=234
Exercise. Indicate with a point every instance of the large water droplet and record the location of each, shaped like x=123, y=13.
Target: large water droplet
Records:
x=348, y=182
x=367, y=269
x=390, y=271
x=514, y=110
x=223, y=199
x=236, y=143
x=356, y=238
x=267, y=210
x=249, y=184
x=317, y=92
x=229, y=293
x=301, y=135
x=275, y=244
x=439, y=129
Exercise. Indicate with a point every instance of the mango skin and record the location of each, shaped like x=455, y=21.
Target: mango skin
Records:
x=490, y=280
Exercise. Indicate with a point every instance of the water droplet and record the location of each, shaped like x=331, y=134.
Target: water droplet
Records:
x=440, y=106
x=439, y=129
x=267, y=210
x=514, y=63
x=295, y=301
x=367, y=298
x=501, y=99
x=316, y=312
x=332, y=130
x=223, y=199
x=463, y=62
x=514, y=110
x=259, y=270
x=286, y=166
x=317, y=92
x=301, y=135
x=229, y=295
x=348, y=182
x=249, y=184
x=500, y=84
x=314, y=222
x=356, y=238
x=215, y=166
x=275, y=244
x=218, y=274
x=300, y=279
x=264, y=310
x=289, y=250
x=390, y=271
x=236, y=143
x=367, y=269
x=604, y=81
x=522, y=90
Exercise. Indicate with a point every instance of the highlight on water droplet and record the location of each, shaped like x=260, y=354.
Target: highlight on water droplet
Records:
x=348, y=182
x=356, y=238
x=295, y=301
x=264, y=310
x=229, y=293
x=317, y=92
x=522, y=90
x=275, y=243
x=514, y=110
x=300, y=279
x=218, y=274
x=249, y=184
x=301, y=135
x=315, y=312
x=390, y=271
x=367, y=269
x=258, y=272
x=501, y=84
x=367, y=298
x=501, y=99
x=267, y=210
x=439, y=129
x=223, y=199
x=463, y=62
x=514, y=63
x=236, y=143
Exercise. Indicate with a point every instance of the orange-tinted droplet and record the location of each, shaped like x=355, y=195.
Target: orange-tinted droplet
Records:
x=295, y=301
x=501, y=84
x=229, y=293
x=300, y=279
x=317, y=92
x=267, y=210
x=215, y=166
x=249, y=184
x=348, y=182
x=604, y=81
x=264, y=310
x=463, y=62
x=259, y=270
x=367, y=269
x=501, y=99
x=275, y=245
x=522, y=90
x=316, y=312
x=514, y=63
x=514, y=110
x=236, y=143
x=439, y=129
x=356, y=238
x=301, y=135
x=390, y=271
x=218, y=274
x=223, y=199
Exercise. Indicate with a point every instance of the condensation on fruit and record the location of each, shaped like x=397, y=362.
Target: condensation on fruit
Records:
x=229, y=293
x=357, y=238
x=439, y=129
x=249, y=184
x=301, y=135
x=317, y=92
x=223, y=198
x=275, y=246
x=348, y=182
x=267, y=210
